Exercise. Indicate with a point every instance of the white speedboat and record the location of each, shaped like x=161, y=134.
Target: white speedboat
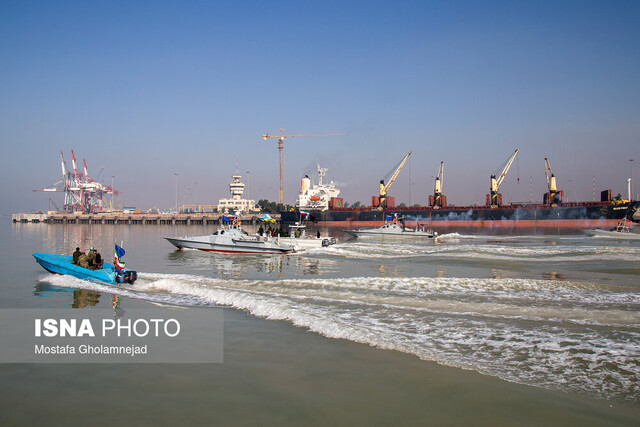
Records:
x=620, y=231
x=232, y=240
x=394, y=229
x=299, y=239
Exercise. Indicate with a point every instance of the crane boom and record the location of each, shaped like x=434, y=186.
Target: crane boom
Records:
x=395, y=174
x=86, y=172
x=385, y=187
x=439, y=180
x=266, y=135
x=496, y=182
x=547, y=169
x=75, y=166
x=64, y=169
x=50, y=189
x=551, y=178
x=493, y=198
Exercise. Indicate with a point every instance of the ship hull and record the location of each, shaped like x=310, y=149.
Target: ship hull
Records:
x=522, y=217
x=229, y=245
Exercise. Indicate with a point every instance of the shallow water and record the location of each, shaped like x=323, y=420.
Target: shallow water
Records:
x=555, y=312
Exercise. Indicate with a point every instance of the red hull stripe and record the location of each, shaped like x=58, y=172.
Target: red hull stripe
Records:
x=551, y=223
x=241, y=252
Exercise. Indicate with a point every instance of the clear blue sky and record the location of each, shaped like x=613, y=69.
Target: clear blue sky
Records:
x=148, y=89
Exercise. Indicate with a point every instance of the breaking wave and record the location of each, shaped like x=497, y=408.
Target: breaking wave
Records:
x=571, y=336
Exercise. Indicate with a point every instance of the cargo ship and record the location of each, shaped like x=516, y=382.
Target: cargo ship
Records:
x=320, y=203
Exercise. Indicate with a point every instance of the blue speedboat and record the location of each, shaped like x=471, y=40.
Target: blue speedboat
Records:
x=63, y=264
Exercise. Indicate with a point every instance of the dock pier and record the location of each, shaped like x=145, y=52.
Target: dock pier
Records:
x=129, y=218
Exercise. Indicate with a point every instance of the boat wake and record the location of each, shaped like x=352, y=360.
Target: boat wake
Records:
x=485, y=251
x=571, y=336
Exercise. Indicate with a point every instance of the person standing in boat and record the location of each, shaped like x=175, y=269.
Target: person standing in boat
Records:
x=76, y=255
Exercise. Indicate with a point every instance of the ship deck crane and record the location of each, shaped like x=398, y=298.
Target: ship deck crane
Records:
x=494, y=198
x=384, y=188
x=281, y=138
x=553, y=196
x=438, y=200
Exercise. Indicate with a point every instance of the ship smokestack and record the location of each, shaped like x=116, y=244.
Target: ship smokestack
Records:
x=306, y=183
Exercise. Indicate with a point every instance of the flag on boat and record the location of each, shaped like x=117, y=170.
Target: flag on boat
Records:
x=228, y=218
x=304, y=214
x=267, y=218
x=388, y=218
x=117, y=258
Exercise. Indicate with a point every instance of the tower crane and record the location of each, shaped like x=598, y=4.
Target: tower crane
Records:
x=553, y=196
x=281, y=139
x=438, y=200
x=384, y=188
x=494, y=198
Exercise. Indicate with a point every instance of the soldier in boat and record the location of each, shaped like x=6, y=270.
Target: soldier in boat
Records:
x=76, y=255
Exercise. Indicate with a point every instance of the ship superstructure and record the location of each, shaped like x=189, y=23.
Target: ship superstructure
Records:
x=319, y=197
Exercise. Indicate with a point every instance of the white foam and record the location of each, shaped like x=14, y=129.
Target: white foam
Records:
x=574, y=336
x=485, y=252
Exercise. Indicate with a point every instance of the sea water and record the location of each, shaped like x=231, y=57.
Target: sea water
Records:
x=557, y=313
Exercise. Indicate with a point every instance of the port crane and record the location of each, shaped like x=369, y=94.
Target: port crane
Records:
x=81, y=193
x=392, y=175
x=438, y=200
x=281, y=138
x=553, y=196
x=494, y=198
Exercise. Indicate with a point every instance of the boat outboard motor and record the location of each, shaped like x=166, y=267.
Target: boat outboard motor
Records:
x=328, y=241
x=128, y=276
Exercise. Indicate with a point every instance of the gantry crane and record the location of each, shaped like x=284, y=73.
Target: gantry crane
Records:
x=392, y=175
x=494, y=198
x=552, y=196
x=81, y=193
x=281, y=139
x=438, y=200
